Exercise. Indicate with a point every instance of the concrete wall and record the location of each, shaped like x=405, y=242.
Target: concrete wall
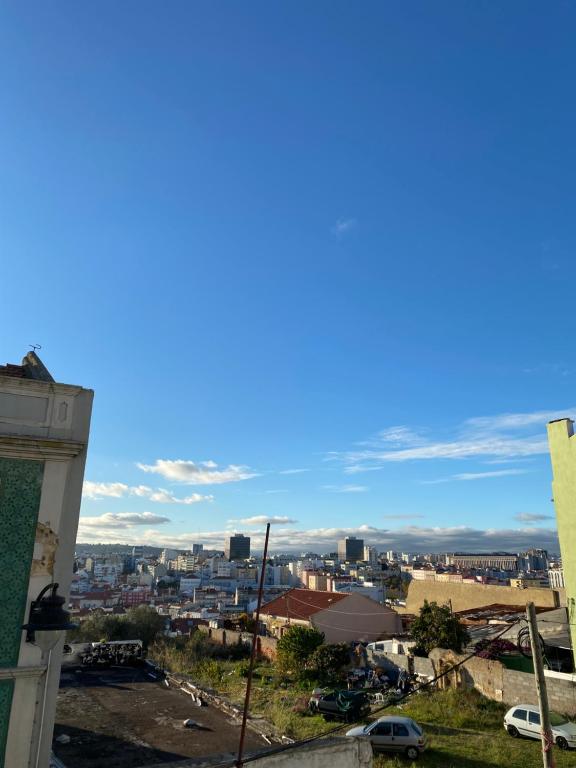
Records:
x=497, y=682
x=333, y=753
x=357, y=618
x=337, y=753
x=466, y=596
x=563, y=455
x=266, y=645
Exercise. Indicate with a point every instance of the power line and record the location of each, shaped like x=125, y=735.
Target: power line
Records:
x=304, y=742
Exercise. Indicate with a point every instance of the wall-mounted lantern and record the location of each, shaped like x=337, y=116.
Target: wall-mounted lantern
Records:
x=47, y=615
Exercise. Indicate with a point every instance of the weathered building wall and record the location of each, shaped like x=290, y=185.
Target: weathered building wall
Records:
x=563, y=455
x=495, y=681
x=466, y=596
x=44, y=429
x=266, y=645
x=357, y=618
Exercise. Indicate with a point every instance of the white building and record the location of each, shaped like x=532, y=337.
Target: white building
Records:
x=44, y=430
x=168, y=554
x=370, y=555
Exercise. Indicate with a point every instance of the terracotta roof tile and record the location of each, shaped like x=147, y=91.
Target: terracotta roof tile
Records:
x=301, y=603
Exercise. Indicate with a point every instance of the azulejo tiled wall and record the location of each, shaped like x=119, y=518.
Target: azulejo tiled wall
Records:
x=20, y=489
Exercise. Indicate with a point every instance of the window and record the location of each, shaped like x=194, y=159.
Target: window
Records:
x=519, y=714
x=383, y=729
x=556, y=719
x=534, y=718
x=400, y=730
x=416, y=728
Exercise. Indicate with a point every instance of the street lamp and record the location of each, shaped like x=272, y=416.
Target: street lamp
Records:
x=47, y=615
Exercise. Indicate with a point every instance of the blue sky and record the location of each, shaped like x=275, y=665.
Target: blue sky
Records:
x=332, y=237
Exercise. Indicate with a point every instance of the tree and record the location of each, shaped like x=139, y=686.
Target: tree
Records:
x=437, y=627
x=327, y=661
x=296, y=646
x=141, y=623
x=145, y=623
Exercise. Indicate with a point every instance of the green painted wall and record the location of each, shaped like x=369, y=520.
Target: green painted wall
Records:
x=563, y=455
x=20, y=489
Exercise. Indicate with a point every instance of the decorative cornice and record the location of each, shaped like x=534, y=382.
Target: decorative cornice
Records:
x=22, y=447
x=13, y=673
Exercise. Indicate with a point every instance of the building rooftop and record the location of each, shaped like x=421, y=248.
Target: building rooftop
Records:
x=31, y=367
x=121, y=717
x=301, y=603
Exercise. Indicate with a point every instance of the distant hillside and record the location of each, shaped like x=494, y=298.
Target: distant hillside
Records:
x=109, y=549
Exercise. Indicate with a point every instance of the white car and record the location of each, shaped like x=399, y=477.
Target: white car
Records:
x=524, y=720
x=393, y=734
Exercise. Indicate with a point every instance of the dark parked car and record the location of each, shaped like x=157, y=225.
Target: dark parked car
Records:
x=345, y=705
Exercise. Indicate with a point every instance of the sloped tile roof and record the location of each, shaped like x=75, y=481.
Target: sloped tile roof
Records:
x=301, y=603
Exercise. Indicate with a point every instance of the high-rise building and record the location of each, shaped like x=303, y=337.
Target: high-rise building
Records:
x=370, y=555
x=197, y=549
x=238, y=547
x=351, y=549
x=534, y=560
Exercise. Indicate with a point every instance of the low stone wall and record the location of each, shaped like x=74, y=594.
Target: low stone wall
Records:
x=327, y=753
x=495, y=681
x=266, y=646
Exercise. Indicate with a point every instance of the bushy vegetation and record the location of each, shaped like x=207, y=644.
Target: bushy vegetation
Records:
x=437, y=627
x=190, y=655
x=141, y=623
x=295, y=648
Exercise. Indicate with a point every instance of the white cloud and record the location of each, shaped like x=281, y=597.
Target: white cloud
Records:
x=276, y=490
x=484, y=475
x=292, y=471
x=123, y=520
x=201, y=473
x=264, y=519
x=345, y=488
x=98, y=491
x=343, y=226
x=466, y=476
x=322, y=540
x=529, y=517
x=504, y=436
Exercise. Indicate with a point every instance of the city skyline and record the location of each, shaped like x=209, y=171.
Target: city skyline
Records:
x=316, y=273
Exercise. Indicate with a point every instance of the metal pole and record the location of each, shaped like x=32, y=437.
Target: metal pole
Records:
x=253, y=652
x=546, y=730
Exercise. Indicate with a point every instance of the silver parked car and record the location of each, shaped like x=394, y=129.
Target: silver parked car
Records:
x=524, y=720
x=393, y=734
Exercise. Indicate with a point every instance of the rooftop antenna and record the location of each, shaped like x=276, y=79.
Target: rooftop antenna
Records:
x=34, y=347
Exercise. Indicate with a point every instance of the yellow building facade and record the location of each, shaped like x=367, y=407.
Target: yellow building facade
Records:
x=563, y=455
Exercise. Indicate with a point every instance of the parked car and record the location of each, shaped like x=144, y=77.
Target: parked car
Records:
x=394, y=734
x=524, y=720
x=346, y=705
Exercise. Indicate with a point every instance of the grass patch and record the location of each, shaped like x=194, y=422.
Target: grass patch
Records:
x=464, y=729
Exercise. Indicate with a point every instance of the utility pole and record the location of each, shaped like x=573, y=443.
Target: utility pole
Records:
x=239, y=762
x=545, y=729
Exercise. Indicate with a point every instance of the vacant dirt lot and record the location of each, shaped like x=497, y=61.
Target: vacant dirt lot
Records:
x=121, y=718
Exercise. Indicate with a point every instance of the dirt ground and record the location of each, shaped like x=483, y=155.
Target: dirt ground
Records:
x=122, y=718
